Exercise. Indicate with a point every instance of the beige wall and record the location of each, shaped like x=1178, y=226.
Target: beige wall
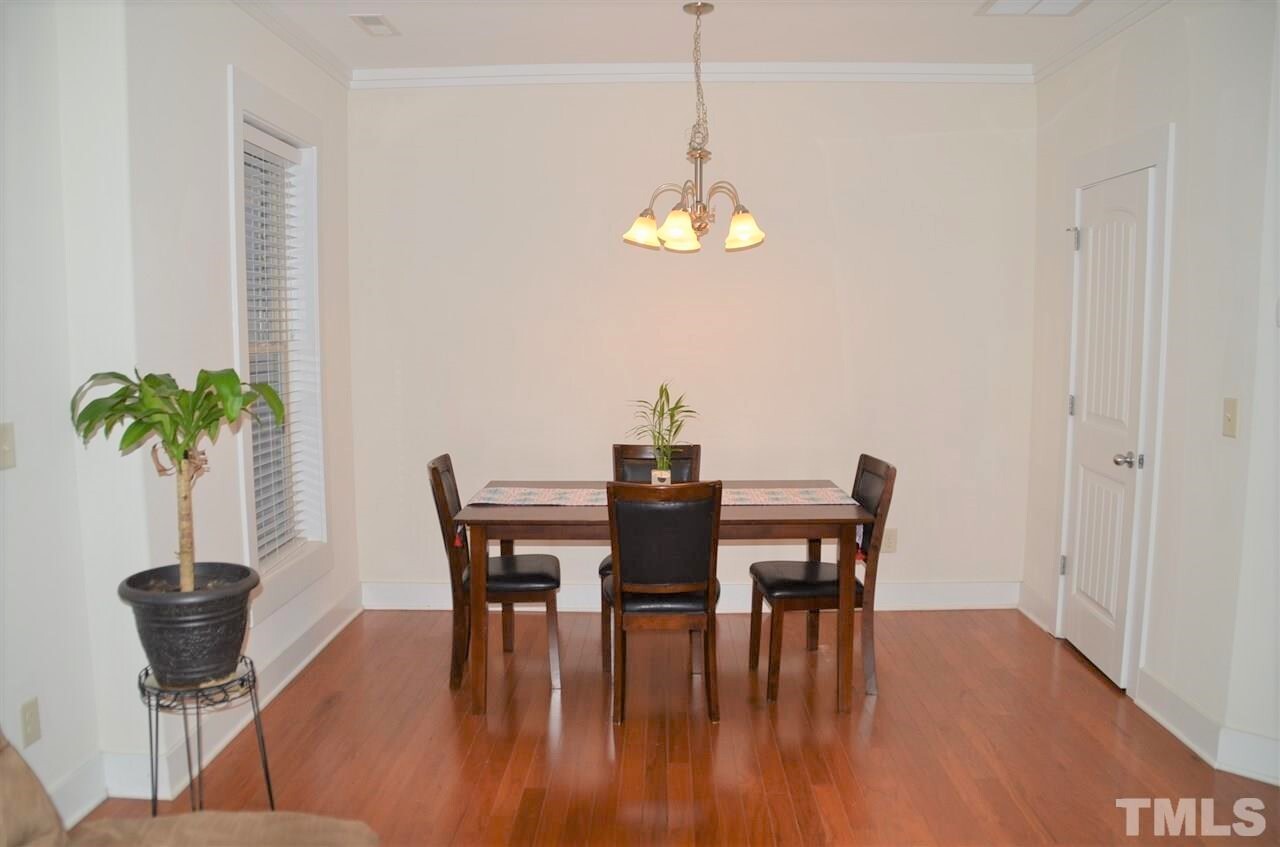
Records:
x=497, y=315
x=41, y=577
x=141, y=143
x=1253, y=704
x=910, y=302
x=1207, y=69
x=179, y=193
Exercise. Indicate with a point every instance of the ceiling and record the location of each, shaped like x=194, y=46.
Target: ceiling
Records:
x=468, y=33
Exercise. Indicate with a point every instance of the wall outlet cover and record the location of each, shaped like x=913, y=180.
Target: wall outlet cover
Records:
x=1230, y=417
x=889, y=544
x=30, y=722
x=8, y=446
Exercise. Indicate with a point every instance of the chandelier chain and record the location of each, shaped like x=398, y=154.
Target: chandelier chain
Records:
x=700, y=134
x=691, y=217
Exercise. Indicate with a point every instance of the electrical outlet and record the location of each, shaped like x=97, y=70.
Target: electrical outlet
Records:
x=889, y=544
x=8, y=449
x=1230, y=417
x=30, y=722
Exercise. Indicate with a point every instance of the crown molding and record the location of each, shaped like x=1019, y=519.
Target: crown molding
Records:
x=310, y=49
x=587, y=74
x=1086, y=47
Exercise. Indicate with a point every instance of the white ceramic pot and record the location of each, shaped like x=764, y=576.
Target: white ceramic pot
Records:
x=660, y=477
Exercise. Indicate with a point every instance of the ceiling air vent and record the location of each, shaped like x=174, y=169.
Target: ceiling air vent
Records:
x=376, y=25
x=1034, y=8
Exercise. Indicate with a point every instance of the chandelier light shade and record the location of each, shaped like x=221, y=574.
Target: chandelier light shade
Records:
x=693, y=215
x=677, y=227
x=644, y=232
x=684, y=246
x=743, y=232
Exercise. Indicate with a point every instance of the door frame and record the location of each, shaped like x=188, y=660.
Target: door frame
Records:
x=1153, y=149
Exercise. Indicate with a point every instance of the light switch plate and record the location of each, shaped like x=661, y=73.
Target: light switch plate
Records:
x=8, y=448
x=889, y=544
x=1230, y=417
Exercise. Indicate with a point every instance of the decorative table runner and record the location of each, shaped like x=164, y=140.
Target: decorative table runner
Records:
x=500, y=496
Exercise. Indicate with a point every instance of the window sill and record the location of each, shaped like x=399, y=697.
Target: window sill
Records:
x=289, y=577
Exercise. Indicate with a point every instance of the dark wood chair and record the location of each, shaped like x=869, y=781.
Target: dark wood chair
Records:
x=511, y=579
x=632, y=463
x=812, y=585
x=664, y=540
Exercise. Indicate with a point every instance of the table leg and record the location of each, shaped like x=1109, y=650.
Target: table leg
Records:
x=479, y=618
x=507, y=547
x=814, y=554
x=844, y=619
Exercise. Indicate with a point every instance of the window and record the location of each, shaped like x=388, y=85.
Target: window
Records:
x=280, y=326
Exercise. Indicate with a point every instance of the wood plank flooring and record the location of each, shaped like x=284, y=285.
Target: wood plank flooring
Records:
x=986, y=731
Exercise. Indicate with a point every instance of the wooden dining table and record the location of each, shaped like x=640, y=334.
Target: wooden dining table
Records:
x=507, y=524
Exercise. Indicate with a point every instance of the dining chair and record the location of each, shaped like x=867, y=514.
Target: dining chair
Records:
x=632, y=463
x=524, y=578
x=664, y=540
x=813, y=585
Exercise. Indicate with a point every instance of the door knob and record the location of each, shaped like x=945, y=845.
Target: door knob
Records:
x=1123, y=459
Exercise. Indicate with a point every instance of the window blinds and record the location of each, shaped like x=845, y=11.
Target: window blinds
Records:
x=287, y=472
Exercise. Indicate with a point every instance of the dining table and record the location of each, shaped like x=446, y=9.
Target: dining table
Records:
x=753, y=510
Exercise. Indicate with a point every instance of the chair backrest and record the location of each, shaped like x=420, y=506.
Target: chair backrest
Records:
x=873, y=488
x=665, y=537
x=444, y=488
x=633, y=462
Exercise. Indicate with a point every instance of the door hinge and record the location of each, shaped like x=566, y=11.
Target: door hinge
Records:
x=1142, y=460
x=1062, y=566
x=1075, y=235
x=1071, y=404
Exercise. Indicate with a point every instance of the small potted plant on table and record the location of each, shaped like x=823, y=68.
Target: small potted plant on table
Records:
x=191, y=616
x=661, y=422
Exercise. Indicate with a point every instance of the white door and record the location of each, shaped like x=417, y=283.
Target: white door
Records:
x=1110, y=304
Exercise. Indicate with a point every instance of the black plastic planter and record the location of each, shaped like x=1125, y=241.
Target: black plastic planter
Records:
x=191, y=637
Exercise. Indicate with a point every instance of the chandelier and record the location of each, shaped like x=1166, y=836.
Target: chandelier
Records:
x=692, y=215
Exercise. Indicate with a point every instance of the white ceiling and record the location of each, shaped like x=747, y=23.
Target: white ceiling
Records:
x=467, y=33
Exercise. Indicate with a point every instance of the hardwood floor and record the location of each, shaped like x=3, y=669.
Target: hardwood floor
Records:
x=986, y=731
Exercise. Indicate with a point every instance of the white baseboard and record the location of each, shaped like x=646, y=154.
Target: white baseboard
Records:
x=128, y=774
x=1246, y=754
x=1040, y=610
x=1225, y=749
x=936, y=596
x=1188, y=725
x=735, y=597
x=1030, y=612
x=1222, y=748
x=79, y=792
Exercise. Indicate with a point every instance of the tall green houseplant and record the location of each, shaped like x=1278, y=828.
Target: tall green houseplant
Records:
x=661, y=422
x=179, y=419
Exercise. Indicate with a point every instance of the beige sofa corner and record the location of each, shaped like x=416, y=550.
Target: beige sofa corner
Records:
x=28, y=819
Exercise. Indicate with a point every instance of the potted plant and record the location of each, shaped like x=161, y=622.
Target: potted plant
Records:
x=661, y=422
x=191, y=616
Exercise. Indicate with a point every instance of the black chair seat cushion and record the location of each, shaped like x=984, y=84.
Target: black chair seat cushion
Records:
x=693, y=602
x=606, y=566
x=525, y=572
x=797, y=580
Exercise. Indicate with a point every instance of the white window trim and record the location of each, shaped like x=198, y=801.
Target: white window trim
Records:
x=269, y=114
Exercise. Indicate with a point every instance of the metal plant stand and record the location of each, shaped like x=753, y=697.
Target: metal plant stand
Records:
x=244, y=685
